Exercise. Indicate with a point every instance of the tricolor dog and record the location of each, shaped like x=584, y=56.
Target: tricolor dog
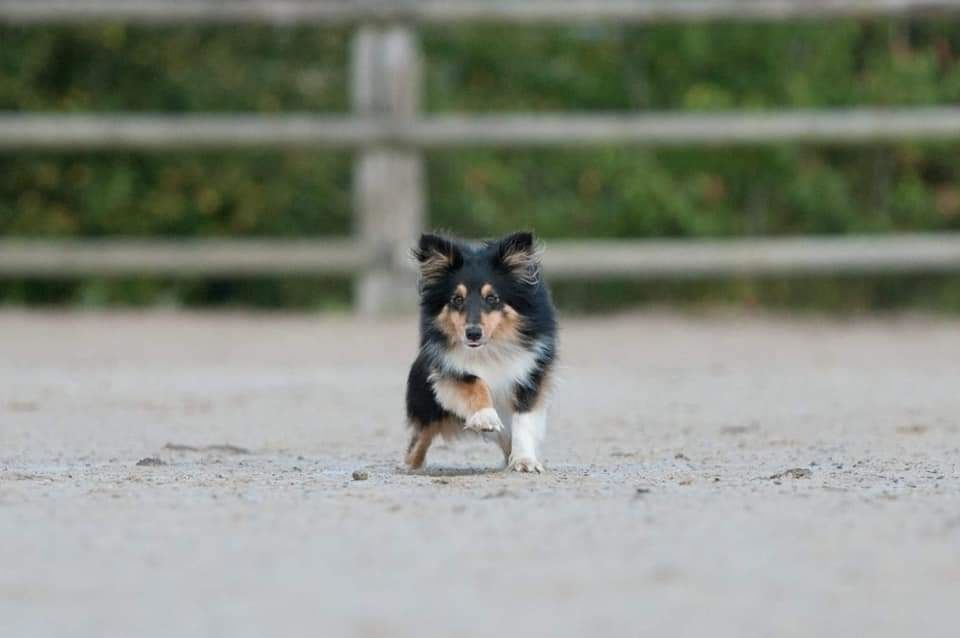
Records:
x=487, y=347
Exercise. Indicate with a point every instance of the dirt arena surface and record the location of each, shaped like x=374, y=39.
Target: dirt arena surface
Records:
x=713, y=476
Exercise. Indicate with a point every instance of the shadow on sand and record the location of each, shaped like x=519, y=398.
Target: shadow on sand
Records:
x=457, y=471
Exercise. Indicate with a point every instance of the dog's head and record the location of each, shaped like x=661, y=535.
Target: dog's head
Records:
x=477, y=294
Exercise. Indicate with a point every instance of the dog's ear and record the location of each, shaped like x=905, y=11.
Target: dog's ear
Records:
x=436, y=255
x=520, y=254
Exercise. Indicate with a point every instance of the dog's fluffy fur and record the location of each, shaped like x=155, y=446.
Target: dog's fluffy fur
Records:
x=487, y=347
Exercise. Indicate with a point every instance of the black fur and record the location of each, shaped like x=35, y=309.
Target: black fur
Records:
x=422, y=406
x=511, y=265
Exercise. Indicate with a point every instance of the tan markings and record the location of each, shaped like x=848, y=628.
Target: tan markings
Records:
x=502, y=325
x=476, y=395
x=452, y=322
x=491, y=320
x=463, y=398
x=525, y=264
x=420, y=443
x=435, y=265
x=450, y=429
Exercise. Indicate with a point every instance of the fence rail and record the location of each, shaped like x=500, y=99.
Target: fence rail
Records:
x=160, y=132
x=449, y=11
x=564, y=259
x=181, y=258
x=388, y=132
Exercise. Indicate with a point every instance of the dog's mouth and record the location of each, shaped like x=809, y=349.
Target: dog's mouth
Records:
x=474, y=345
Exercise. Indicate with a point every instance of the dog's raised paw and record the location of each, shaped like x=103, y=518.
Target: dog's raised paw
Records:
x=526, y=465
x=485, y=420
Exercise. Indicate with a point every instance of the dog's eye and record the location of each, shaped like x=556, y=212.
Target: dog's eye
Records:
x=457, y=301
x=493, y=300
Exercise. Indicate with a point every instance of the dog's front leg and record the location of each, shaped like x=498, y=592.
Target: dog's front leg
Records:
x=528, y=430
x=529, y=424
x=469, y=398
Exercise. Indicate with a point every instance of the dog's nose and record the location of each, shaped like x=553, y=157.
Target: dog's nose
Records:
x=474, y=333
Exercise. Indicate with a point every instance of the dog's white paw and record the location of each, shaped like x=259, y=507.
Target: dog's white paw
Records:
x=485, y=420
x=524, y=464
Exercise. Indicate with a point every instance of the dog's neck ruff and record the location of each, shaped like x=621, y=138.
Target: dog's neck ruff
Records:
x=502, y=366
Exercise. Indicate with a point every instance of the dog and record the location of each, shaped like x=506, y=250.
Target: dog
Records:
x=488, y=341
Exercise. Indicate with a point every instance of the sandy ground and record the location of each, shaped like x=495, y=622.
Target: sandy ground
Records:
x=657, y=516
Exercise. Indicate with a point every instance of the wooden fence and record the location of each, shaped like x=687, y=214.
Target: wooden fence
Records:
x=388, y=134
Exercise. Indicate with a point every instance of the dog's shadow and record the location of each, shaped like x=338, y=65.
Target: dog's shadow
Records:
x=440, y=472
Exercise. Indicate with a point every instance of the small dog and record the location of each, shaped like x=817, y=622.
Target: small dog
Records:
x=487, y=347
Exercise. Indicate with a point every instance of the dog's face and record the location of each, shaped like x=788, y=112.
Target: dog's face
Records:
x=475, y=295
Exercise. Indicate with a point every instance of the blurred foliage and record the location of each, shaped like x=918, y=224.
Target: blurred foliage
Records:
x=115, y=67
x=298, y=293
x=598, y=192
x=175, y=195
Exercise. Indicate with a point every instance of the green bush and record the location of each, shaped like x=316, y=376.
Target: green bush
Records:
x=598, y=192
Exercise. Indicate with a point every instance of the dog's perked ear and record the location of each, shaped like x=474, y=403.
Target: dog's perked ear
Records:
x=520, y=254
x=436, y=255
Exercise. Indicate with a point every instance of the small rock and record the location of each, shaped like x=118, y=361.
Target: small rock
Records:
x=793, y=473
x=680, y=456
x=739, y=429
x=642, y=491
x=150, y=461
x=915, y=428
x=23, y=406
x=360, y=475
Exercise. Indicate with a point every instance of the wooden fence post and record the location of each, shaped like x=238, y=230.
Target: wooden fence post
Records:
x=388, y=181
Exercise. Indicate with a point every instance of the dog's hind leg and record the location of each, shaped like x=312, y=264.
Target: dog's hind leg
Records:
x=505, y=441
x=420, y=443
x=503, y=438
x=424, y=414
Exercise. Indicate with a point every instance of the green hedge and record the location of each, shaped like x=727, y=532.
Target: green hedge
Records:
x=601, y=192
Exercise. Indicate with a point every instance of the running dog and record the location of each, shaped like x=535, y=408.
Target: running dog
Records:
x=487, y=347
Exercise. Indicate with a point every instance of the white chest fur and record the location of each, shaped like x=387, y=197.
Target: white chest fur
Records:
x=502, y=367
